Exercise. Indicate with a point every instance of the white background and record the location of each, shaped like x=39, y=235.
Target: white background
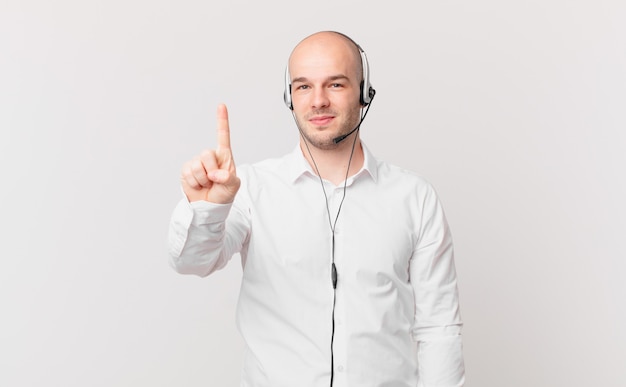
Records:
x=515, y=111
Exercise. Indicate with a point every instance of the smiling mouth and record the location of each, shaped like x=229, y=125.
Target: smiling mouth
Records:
x=321, y=120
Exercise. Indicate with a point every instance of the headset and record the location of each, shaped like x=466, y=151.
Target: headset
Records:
x=367, y=91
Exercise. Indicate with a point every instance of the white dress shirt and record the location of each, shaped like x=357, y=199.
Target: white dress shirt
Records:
x=396, y=310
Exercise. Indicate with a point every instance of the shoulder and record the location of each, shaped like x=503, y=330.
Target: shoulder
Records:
x=393, y=174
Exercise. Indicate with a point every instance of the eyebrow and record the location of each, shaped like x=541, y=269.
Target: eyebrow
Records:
x=331, y=78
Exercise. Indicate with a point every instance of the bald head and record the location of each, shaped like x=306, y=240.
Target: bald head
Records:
x=326, y=43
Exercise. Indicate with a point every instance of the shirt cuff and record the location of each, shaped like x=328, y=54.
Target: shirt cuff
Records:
x=207, y=213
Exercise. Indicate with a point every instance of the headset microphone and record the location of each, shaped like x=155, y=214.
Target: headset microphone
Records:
x=339, y=139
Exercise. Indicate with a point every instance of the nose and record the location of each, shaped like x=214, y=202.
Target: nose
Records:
x=320, y=98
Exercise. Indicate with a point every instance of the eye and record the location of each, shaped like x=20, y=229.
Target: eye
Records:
x=336, y=85
x=302, y=87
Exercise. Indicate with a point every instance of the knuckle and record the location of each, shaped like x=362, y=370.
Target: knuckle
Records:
x=196, y=167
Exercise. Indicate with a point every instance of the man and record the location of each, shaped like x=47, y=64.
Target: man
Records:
x=348, y=268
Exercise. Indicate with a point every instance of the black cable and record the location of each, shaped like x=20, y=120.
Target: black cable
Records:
x=333, y=224
x=332, y=229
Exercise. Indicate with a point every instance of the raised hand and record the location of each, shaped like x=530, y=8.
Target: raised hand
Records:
x=212, y=176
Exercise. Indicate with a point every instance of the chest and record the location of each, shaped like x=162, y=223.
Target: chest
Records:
x=374, y=230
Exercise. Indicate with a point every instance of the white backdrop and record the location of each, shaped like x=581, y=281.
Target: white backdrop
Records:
x=515, y=111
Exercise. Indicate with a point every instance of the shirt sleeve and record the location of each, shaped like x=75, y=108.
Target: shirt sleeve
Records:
x=437, y=324
x=204, y=236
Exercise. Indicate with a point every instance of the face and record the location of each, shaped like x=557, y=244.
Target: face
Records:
x=325, y=90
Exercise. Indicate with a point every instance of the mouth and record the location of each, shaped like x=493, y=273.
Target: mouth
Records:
x=321, y=120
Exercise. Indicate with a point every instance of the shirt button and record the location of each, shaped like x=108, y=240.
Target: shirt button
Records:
x=339, y=322
x=340, y=368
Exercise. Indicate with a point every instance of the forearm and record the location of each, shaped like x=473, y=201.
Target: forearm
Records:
x=440, y=358
x=437, y=327
x=198, y=243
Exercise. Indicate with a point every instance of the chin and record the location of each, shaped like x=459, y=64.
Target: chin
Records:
x=322, y=141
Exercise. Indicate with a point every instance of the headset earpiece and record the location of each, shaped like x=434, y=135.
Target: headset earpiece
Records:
x=287, y=93
x=367, y=91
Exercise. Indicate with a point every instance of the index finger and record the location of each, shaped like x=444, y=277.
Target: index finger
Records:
x=223, y=130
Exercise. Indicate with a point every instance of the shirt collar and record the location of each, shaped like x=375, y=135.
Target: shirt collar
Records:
x=298, y=166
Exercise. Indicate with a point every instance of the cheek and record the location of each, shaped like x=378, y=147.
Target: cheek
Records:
x=301, y=104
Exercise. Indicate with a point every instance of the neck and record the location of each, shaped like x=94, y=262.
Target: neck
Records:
x=332, y=164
